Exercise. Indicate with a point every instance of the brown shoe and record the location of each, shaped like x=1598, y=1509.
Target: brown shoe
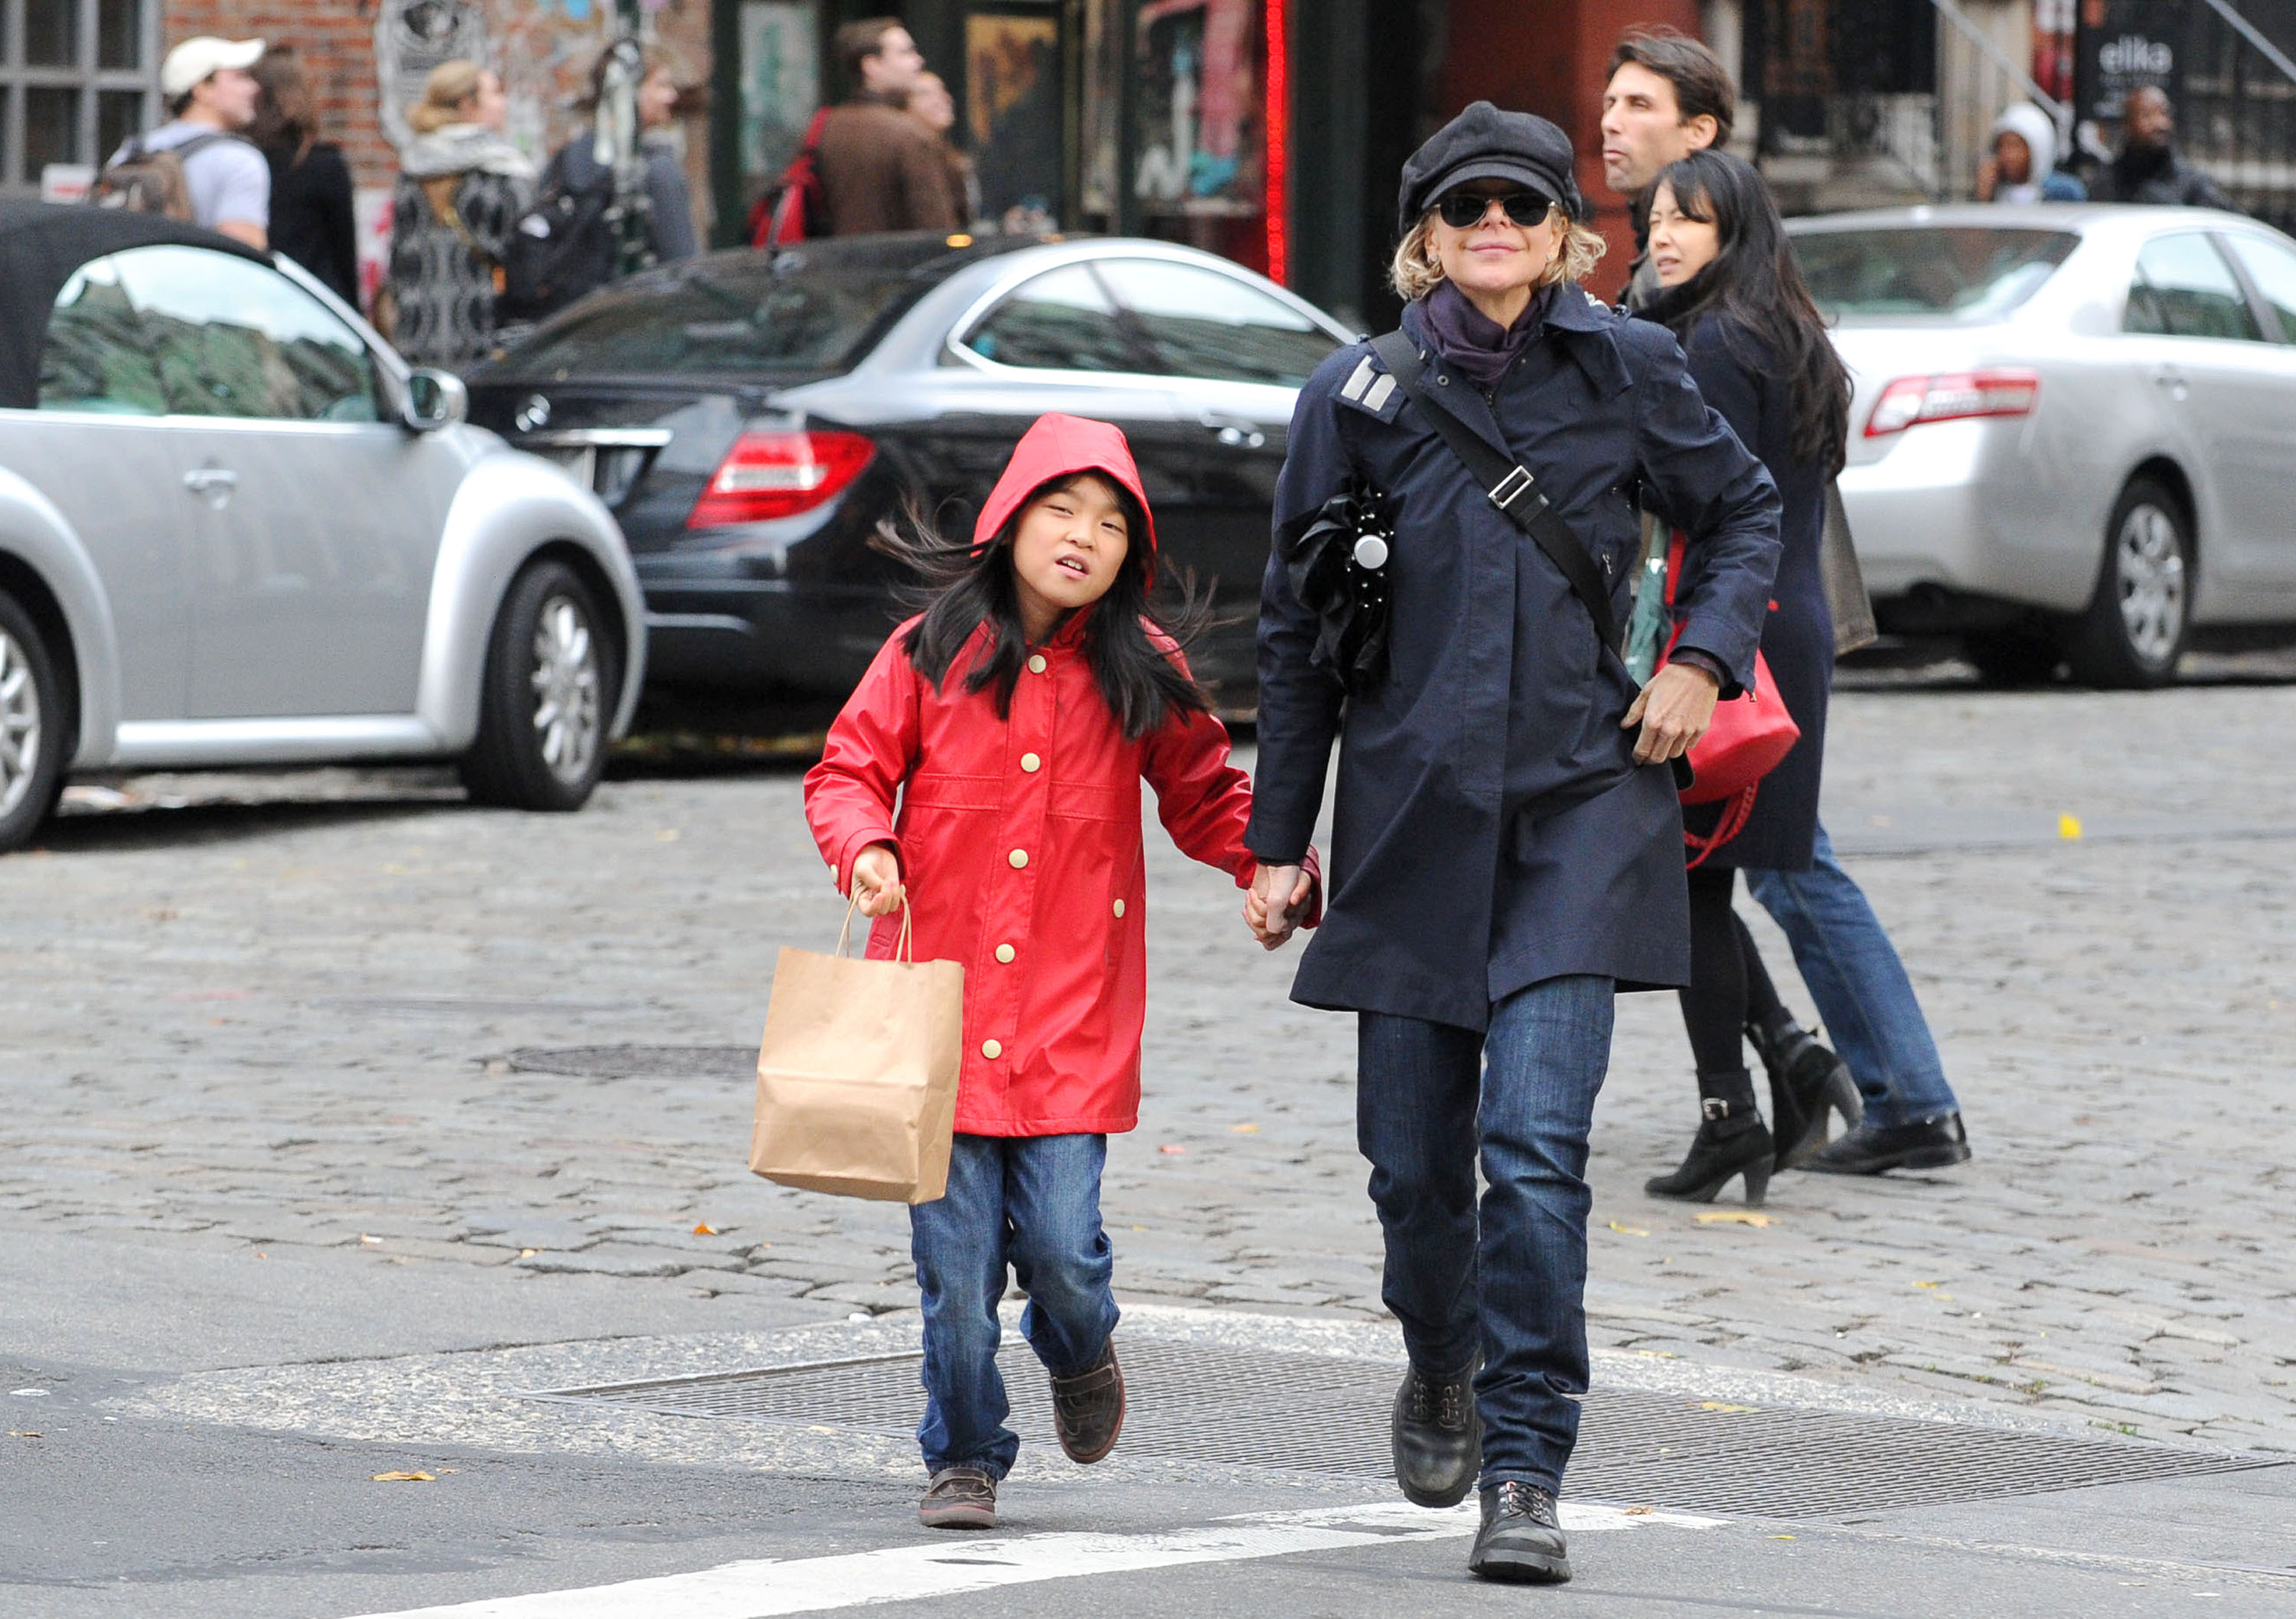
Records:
x=1088, y=1408
x=959, y=1497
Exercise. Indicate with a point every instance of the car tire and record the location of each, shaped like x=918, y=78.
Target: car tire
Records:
x=2008, y=658
x=548, y=696
x=2137, y=623
x=32, y=726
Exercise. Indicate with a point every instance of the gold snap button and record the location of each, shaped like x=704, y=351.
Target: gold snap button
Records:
x=1119, y=908
x=1031, y=763
x=1019, y=857
x=991, y=1050
x=1004, y=952
x=1036, y=663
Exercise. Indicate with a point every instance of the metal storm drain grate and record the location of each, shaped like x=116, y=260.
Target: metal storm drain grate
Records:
x=1311, y=1413
x=640, y=1062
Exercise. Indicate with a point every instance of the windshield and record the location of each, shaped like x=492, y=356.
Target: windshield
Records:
x=735, y=318
x=1967, y=272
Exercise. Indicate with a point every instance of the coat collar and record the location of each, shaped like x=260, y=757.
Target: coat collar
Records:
x=1581, y=323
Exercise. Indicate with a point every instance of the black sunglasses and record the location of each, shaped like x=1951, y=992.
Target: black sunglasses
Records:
x=1463, y=209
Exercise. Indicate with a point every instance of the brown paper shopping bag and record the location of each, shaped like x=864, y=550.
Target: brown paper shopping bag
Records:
x=856, y=1074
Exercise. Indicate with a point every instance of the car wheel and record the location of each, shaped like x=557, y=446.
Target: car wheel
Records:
x=548, y=697
x=31, y=727
x=2012, y=657
x=2135, y=629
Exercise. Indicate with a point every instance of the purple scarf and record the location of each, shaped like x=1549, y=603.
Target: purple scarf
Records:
x=1473, y=344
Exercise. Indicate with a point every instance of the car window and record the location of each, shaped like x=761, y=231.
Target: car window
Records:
x=754, y=313
x=235, y=338
x=2195, y=293
x=1063, y=320
x=2272, y=266
x=96, y=357
x=1203, y=323
x=1968, y=273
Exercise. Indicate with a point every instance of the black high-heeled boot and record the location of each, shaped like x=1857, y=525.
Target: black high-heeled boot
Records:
x=1732, y=1140
x=1808, y=1084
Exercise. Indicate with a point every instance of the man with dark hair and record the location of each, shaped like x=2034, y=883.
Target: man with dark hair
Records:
x=1669, y=96
x=881, y=169
x=2148, y=169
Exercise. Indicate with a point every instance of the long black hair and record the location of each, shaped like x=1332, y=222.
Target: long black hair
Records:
x=1754, y=288
x=959, y=592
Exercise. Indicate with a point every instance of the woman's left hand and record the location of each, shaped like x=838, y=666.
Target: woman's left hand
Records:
x=1674, y=711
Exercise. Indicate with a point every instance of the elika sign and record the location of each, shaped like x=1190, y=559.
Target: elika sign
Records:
x=2122, y=45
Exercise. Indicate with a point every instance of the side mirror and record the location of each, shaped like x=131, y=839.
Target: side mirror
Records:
x=434, y=400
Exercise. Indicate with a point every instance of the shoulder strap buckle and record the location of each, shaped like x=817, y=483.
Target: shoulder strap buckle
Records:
x=1517, y=483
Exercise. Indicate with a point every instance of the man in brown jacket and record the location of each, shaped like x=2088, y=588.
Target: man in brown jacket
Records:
x=881, y=168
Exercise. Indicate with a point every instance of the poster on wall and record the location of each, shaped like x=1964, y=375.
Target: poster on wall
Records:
x=2122, y=45
x=412, y=36
x=781, y=85
x=1014, y=115
x=1197, y=124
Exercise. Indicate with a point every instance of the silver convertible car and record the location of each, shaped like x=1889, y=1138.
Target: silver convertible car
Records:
x=236, y=529
x=2074, y=433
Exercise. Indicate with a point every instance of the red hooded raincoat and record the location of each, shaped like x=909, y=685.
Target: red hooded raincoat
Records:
x=1020, y=838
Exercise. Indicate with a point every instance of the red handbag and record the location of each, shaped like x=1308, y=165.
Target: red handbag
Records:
x=1750, y=737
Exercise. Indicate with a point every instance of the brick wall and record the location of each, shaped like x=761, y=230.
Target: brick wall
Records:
x=542, y=51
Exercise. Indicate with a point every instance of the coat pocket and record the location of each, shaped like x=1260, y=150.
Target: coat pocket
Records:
x=943, y=790
x=1076, y=800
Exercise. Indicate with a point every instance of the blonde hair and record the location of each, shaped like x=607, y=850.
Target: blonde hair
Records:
x=1417, y=271
x=451, y=83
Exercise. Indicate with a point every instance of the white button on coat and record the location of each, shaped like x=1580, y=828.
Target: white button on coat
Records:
x=1031, y=763
x=1036, y=663
x=1119, y=908
x=991, y=1050
x=1005, y=952
x=1019, y=857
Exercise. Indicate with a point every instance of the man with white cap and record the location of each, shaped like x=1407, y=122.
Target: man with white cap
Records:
x=212, y=97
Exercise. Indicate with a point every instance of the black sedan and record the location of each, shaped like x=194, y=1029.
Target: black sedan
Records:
x=750, y=417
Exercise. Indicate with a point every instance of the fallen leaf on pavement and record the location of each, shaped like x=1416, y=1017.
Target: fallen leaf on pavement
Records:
x=15, y=1433
x=527, y=1252
x=1724, y=1405
x=1638, y=1512
x=1245, y=1129
x=1169, y=1147
x=1732, y=1217
x=371, y=1242
x=705, y=1229
x=1627, y=1230
x=403, y=1478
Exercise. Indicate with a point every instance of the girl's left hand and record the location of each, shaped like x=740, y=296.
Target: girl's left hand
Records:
x=1277, y=899
x=877, y=886
x=1675, y=710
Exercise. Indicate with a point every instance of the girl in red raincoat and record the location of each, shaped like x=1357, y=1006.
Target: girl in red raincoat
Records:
x=1012, y=722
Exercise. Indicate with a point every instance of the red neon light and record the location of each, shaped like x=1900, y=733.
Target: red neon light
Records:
x=1278, y=145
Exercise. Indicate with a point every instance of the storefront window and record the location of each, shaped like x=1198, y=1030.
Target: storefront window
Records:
x=1199, y=125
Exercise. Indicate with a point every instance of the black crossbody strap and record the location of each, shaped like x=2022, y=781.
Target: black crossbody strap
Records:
x=1508, y=485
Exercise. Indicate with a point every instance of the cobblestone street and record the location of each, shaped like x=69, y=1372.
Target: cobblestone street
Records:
x=235, y=1033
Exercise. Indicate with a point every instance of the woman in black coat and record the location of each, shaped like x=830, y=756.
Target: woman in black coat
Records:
x=1507, y=851
x=311, y=217
x=1730, y=290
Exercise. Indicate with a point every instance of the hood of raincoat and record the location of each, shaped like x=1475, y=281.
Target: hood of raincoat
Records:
x=2030, y=125
x=1060, y=447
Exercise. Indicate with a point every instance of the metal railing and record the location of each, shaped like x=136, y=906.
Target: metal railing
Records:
x=2238, y=116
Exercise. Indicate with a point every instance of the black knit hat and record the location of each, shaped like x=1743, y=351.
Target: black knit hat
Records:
x=1485, y=143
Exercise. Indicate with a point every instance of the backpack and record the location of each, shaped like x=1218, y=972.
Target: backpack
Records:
x=562, y=247
x=799, y=208
x=150, y=180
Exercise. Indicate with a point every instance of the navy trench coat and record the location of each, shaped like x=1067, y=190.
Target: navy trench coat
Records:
x=1734, y=371
x=1492, y=828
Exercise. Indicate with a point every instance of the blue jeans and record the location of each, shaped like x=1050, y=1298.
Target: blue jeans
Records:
x=1429, y=1098
x=1864, y=997
x=1032, y=1203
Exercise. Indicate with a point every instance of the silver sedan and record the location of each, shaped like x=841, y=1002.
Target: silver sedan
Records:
x=236, y=529
x=2073, y=438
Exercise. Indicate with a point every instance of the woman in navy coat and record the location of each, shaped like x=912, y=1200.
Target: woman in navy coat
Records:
x=1508, y=842
x=1731, y=292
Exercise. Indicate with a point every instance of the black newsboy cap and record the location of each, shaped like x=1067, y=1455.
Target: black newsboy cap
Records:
x=1485, y=143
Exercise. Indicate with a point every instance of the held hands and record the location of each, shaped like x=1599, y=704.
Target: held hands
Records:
x=877, y=886
x=1277, y=897
x=1674, y=711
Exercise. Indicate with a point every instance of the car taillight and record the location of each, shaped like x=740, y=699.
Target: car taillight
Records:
x=1913, y=399
x=779, y=474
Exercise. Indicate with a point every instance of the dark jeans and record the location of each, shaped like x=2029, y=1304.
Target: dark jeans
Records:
x=1428, y=1098
x=1031, y=1203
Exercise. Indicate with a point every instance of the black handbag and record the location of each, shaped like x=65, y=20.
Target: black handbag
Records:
x=1337, y=560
